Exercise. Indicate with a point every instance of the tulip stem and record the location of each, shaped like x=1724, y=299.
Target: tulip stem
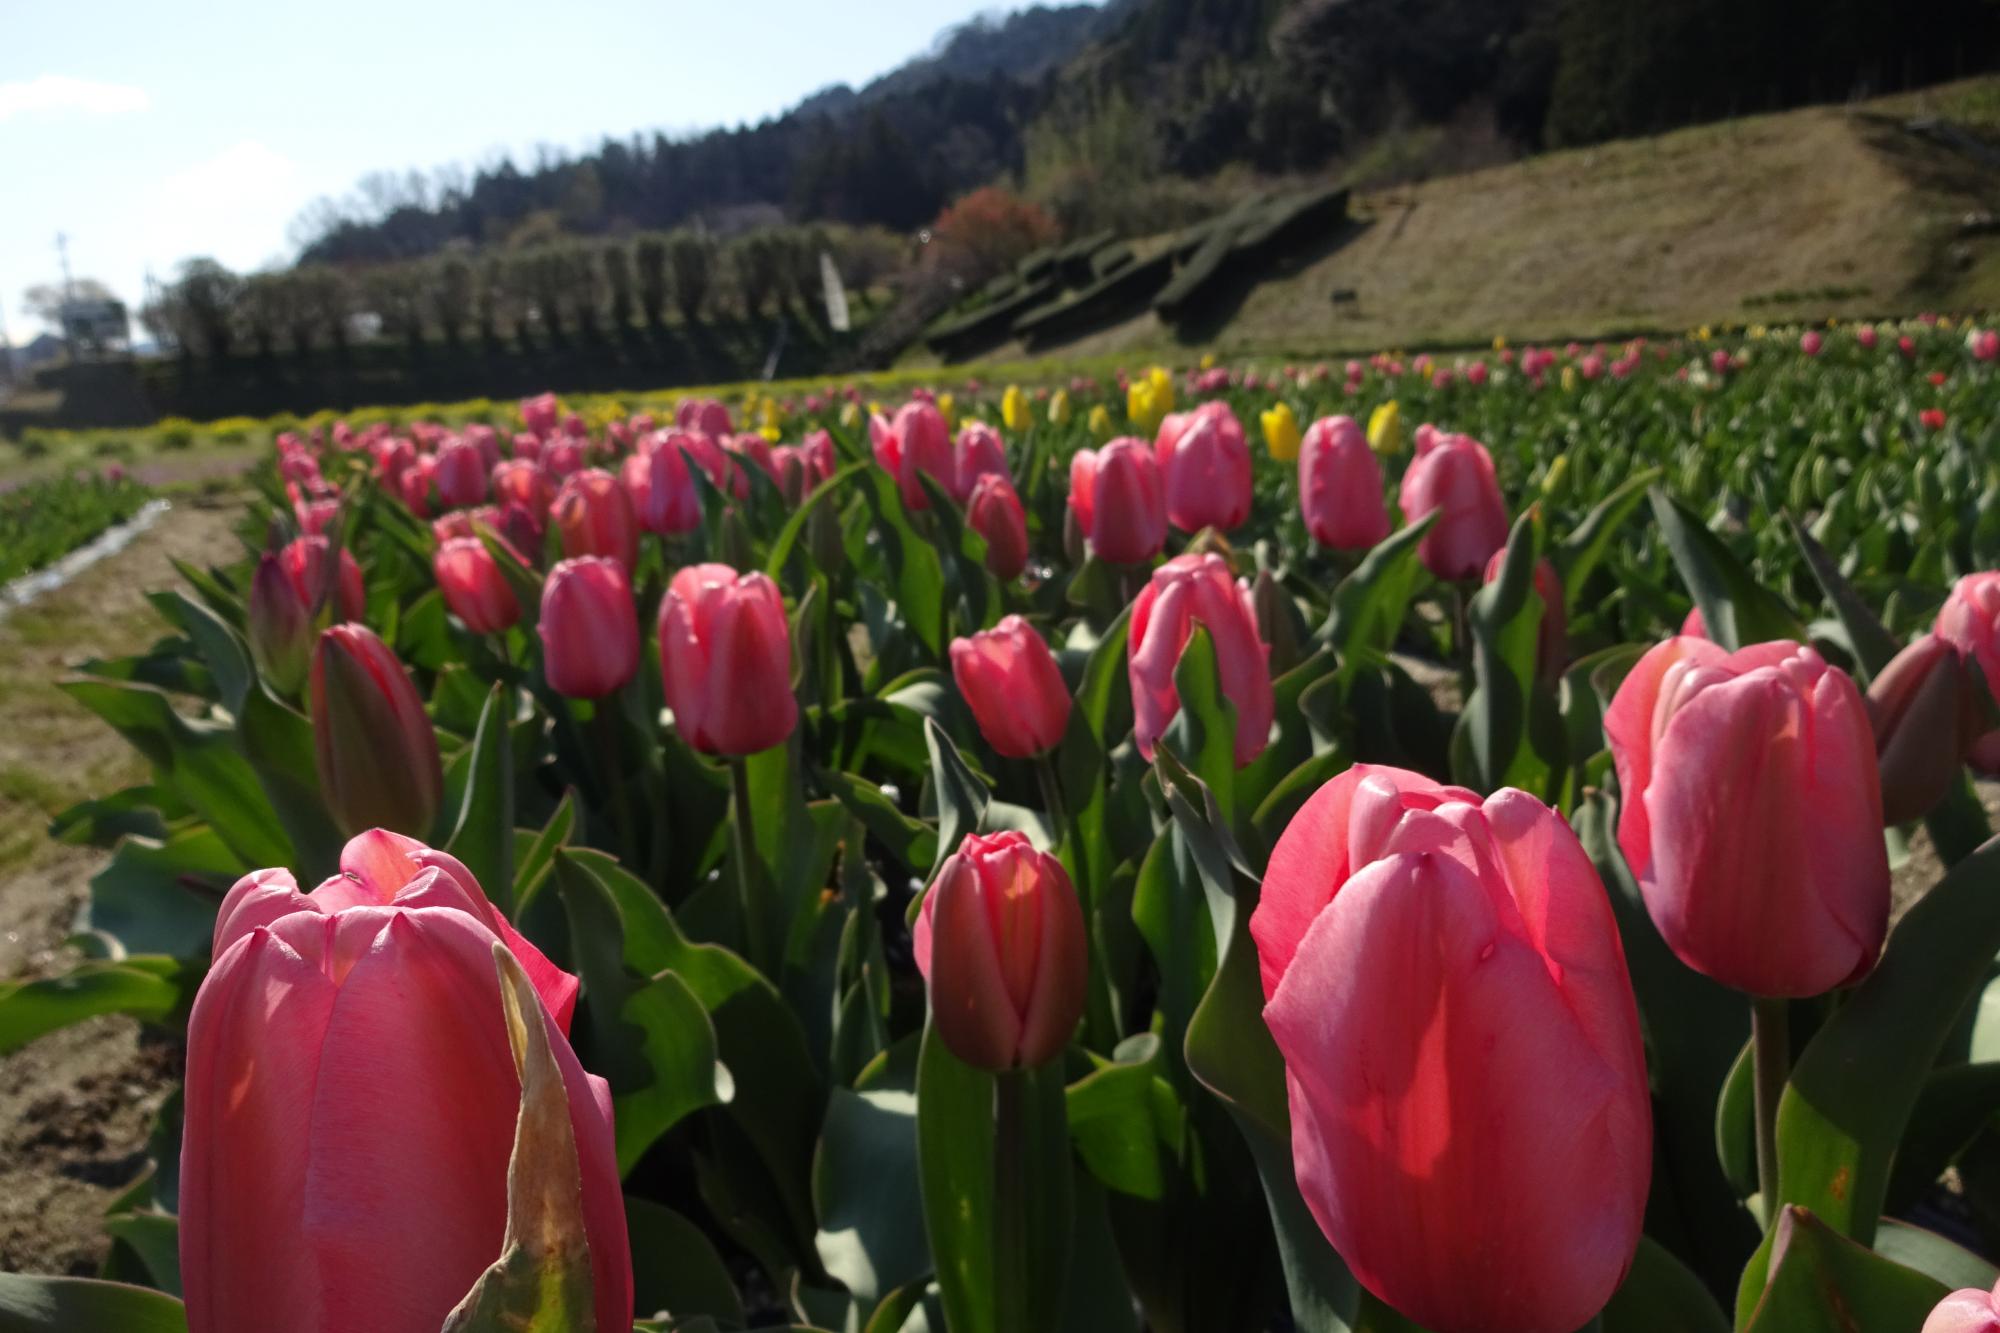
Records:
x=749, y=869
x=1052, y=798
x=1010, y=1204
x=1771, y=1053
x=604, y=728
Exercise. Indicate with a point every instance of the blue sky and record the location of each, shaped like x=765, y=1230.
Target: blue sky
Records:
x=151, y=132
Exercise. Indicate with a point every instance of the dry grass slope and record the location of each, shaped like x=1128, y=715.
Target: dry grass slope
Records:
x=1801, y=215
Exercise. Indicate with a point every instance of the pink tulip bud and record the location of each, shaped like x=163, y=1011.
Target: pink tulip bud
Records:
x=1471, y=1126
x=589, y=628
x=1010, y=680
x=1454, y=478
x=519, y=481
x=980, y=454
x=1340, y=486
x=1186, y=591
x=376, y=753
x=820, y=458
x=1000, y=943
x=661, y=487
x=1866, y=336
x=461, y=475
x=1967, y=1310
x=474, y=588
x=1552, y=638
x=726, y=660
x=1970, y=622
x=1927, y=715
x=594, y=517
x=305, y=563
x=1694, y=627
x=414, y=485
x=280, y=626
x=1752, y=813
x=1810, y=342
x=539, y=415
x=916, y=441
x=704, y=415
x=753, y=447
x=351, y=1102
x=1205, y=468
x=1119, y=501
x=994, y=511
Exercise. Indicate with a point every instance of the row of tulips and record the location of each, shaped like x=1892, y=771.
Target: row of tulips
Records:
x=990, y=879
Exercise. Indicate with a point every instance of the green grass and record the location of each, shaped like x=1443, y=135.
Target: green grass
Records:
x=44, y=521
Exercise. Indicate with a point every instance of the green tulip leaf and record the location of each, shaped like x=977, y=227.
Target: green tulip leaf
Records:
x=83, y=1305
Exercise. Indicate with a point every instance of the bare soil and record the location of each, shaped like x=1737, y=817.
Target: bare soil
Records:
x=76, y=1107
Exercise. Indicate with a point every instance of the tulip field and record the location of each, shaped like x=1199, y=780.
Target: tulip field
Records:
x=1481, y=843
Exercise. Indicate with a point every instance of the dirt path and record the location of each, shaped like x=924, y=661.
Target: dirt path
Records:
x=75, y=1107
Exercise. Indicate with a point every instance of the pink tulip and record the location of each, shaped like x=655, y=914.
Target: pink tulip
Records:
x=373, y=746
x=1752, y=813
x=662, y=489
x=519, y=481
x=280, y=626
x=753, y=447
x=562, y=456
x=474, y=588
x=1340, y=486
x=1186, y=591
x=1205, y=465
x=1454, y=478
x=1866, y=336
x=980, y=454
x=820, y=460
x=1810, y=342
x=589, y=628
x=539, y=414
x=1552, y=637
x=1000, y=943
x=461, y=475
x=1471, y=1125
x=1967, y=1310
x=1970, y=622
x=304, y=561
x=726, y=660
x=1010, y=680
x=916, y=441
x=705, y=415
x=1985, y=344
x=994, y=512
x=351, y=1102
x=594, y=517
x=1119, y=501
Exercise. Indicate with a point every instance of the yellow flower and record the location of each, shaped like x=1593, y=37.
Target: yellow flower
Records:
x=1569, y=377
x=1059, y=408
x=1148, y=400
x=1704, y=333
x=1558, y=473
x=1208, y=361
x=1100, y=422
x=1499, y=342
x=944, y=407
x=771, y=433
x=850, y=414
x=1385, y=429
x=1281, y=432
x=772, y=416
x=1014, y=408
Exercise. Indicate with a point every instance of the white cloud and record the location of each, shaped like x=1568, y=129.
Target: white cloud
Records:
x=232, y=206
x=59, y=92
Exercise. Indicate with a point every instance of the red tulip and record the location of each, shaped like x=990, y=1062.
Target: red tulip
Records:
x=474, y=588
x=1119, y=501
x=1552, y=637
x=1470, y=1120
x=351, y=1103
x=280, y=626
x=304, y=562
x=1970, y=622
x=589, y=628
x=594, y=517
x=1752, y=813
x=1205, y=466
x=980, y=454
x=1454, y=478
x=1186, y=591
x=1967, y=1310
x=726, y=660
x=413, y=485
x=1927, y=714
x=1010, y=680
x=376, y=753
x=1000, y=943
x=1340, y=486
x=994, y=511
x=917, y=441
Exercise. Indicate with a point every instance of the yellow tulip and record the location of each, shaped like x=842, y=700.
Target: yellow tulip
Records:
x=850, y=414
x=1014, y=411
x=1558, y=473
x=1385, y=429
x=772, y=417
x=1100, y=422
x=1208, y=361
x=771, y=433
x=1499, y=342
x=1569, y=377
x=1281, y=432
x=1059, y=408
x=1148, y=400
